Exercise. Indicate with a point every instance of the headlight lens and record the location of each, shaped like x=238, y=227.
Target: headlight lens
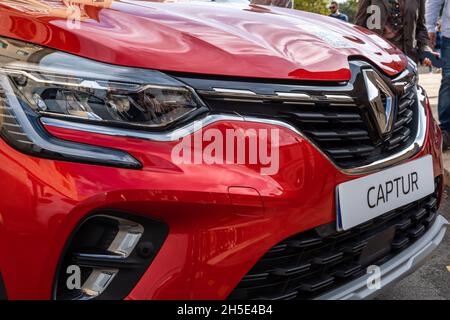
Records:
x=412, y=65
x=408, y=78
x=59, y=84
x=36, y=81
x=150, y=105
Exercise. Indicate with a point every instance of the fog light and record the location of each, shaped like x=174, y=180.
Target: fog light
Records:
x=107, y=255
x=97, y=282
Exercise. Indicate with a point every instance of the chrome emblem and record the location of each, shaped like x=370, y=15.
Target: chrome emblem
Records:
x=381, y=99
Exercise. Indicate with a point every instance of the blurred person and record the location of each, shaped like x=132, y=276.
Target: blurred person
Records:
x=401, y=22
x=335, y=13
x=437, y=47
x=438, y=43
x=433, y=10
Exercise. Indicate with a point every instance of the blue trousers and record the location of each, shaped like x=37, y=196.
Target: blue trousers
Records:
x=444, y=91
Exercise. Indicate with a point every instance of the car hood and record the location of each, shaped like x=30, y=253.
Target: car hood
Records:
x=202, y=38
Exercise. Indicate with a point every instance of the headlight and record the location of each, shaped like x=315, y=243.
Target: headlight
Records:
x=412, y=65
x=409, y=77
x=36, y=81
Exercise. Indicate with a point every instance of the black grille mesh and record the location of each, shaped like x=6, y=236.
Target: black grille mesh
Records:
x=337, y=118
x=343, y=133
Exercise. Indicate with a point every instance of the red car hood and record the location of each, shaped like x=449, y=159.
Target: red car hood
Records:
x=204, y=38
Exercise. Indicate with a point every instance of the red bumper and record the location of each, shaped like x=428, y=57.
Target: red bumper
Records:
x=221, y=218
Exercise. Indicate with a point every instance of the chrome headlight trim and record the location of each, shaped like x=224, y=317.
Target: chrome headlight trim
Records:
x=45, y=82
x=408, y=152
x=23, y=131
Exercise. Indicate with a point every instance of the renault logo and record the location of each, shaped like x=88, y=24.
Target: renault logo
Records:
x=381, y=99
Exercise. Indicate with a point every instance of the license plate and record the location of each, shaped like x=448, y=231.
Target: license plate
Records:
x=366, y=198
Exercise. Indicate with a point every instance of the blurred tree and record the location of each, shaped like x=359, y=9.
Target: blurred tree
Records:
x=350, y=8
x=316, y=6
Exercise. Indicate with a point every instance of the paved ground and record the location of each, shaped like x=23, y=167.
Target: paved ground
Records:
x=431, y=82
x=432, y=281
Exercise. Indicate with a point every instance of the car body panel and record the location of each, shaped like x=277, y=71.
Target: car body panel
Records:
x=222, y=218
x=203, y=38
x=212, y=242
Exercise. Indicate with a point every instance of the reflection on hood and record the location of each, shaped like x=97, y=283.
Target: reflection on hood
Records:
x=74, y=9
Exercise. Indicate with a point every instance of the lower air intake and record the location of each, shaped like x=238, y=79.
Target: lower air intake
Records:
x=107, y=256
x=310, y=264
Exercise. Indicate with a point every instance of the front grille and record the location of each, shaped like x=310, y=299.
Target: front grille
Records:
x=336, y=117
x=317, y=261
x=344, y=135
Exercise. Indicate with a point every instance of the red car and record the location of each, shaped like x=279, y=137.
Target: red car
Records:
x=200, y=150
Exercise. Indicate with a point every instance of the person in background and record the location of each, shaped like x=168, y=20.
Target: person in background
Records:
x=402, y=22
x=335, y=13
x=433, y=10
x=438, y=45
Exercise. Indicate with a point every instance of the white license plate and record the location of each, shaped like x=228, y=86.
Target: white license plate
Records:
x=366, y=198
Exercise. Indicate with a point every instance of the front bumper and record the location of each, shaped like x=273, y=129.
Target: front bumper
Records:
x=221, y=219
x=394, y=270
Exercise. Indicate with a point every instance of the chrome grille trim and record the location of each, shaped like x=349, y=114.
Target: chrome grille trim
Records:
x=406, y=153
x=284, y=97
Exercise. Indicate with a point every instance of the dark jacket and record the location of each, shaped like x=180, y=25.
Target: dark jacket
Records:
x=415, y=35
